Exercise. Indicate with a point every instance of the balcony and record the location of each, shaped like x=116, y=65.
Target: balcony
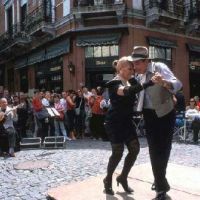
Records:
x=164, y=14
x=99, y=9
x=193, y=27
x=14, y=39
x=39, y=22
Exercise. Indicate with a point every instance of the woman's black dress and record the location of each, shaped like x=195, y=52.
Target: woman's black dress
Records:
x=119, y=119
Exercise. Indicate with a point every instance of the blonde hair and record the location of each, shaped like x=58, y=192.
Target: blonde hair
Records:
x=122, y=62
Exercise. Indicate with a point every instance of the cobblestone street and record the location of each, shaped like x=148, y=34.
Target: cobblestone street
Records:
x=80, y=160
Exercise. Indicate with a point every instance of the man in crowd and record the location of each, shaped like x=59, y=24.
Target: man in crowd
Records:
x=8, y=116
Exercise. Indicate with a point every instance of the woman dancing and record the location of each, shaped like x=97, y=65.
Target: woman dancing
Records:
x=119, y=125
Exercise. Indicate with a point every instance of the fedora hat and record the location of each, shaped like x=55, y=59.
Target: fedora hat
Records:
x=139, y=53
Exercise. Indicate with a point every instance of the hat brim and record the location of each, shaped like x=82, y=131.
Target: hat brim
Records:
x=131, y=59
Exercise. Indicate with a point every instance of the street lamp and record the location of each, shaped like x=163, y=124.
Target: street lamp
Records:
x=71, y=67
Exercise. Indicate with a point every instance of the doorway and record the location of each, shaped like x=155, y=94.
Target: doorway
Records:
x=94, y=79
x=195, y=83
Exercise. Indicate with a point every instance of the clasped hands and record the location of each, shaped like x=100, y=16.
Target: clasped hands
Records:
x=157, y=78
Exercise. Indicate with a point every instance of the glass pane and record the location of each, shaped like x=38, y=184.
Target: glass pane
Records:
x=159, y=52
x=168, y=54
x=114, y=50
x=105, y=51
x=89, y=52
x=97, y=51
x=98, y=2
x=151, y=52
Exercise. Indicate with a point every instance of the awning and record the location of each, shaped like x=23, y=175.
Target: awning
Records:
x=161, y=43
x=36, y=57
x=195, y=48
x=57, y=49
x=20, y=63
x=97, y=40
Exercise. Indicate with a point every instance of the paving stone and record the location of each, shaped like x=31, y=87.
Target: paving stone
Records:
x=81, y=159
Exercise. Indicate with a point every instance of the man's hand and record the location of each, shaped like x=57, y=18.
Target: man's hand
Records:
x=158, y=79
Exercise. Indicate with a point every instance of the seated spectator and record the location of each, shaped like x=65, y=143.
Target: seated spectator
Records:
x=8, y=116
x=192, y=106
x=193, y=114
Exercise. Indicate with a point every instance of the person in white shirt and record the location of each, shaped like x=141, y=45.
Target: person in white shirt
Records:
x=193, y=119
x=8, y=115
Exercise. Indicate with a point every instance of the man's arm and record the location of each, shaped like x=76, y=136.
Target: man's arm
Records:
x=166, y=78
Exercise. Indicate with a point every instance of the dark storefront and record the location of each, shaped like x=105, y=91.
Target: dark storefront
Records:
x=49, y=75
x=100, y=51
x=48, y=65
x=2, y=75
x=194, y=70
x=24, y=80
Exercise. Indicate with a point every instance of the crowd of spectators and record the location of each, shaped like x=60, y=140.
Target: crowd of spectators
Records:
x=78, y=113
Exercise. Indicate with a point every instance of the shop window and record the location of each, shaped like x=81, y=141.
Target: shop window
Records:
x=105, y=51
x=114, y=50
x=160, y=53
x=49, y=76
x=89, y=52
x=101, y=51
x=97, y=51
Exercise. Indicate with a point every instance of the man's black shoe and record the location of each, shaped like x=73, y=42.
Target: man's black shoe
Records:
x=160, y=196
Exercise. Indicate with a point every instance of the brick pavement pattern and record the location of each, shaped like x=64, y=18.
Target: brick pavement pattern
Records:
x=81, y=159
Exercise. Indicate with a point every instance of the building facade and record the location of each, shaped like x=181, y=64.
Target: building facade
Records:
x=64, y=44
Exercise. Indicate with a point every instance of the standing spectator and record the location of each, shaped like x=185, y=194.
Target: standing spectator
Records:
x=98, y=115
x=47, y=102
x=71, y=114
x=22, y=112
x=41, y=123
x=87, y=95
x=58, y=122
x=80, y=117
x=63, y=101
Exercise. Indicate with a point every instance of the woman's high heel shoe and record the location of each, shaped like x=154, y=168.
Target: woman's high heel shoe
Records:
x=108, y=187
x=124, y=184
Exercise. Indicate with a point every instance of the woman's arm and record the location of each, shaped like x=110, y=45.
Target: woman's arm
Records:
x=133, y=89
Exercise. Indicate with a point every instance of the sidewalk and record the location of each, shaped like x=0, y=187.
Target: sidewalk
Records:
x=184, y=183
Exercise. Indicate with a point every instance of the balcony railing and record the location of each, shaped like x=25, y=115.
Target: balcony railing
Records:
x=194, y=13
x=13, y=35
x=98, y=6
x=42, y=15
x=167, y=7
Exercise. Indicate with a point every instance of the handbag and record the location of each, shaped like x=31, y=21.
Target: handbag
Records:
x=42, y=114
x=78, y=110
x=61, y=116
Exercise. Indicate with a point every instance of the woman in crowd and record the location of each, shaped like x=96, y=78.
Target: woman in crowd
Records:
x=97, y=119
x=59, y=121
x=119, y=125
x=80, y=114
x=71, y=114
x=192, y=105
x=193, y=116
